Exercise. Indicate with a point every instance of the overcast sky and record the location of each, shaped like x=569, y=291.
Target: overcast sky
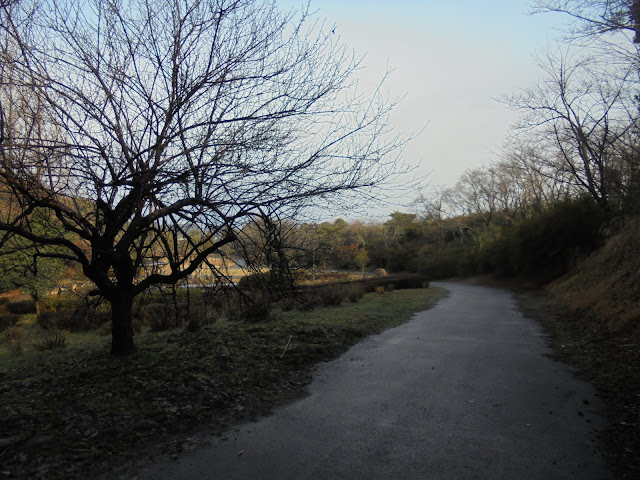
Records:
x=450, y=60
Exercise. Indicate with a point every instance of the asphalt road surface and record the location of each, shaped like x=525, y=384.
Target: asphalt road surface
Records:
x=463, y=391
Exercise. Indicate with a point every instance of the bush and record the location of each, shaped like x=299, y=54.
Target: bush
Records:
x=274, y=283
x=54, y=319
x=322, y=297
x=162, y=316
x=14, y=336
x=195, y=322
x=256, y=310
x=332, y=296
x=546, y=246
x=52, y=340
x=53, y=303
x=21, y=307
x=441, y=263
x=354, y=292
x=78, y=320
x=105, y=328
x=8, y=320
x=307, y=301
x=199, y=315
x=417, y=281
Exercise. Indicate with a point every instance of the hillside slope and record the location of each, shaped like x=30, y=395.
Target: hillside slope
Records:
x=607, y=284
x=594, y=320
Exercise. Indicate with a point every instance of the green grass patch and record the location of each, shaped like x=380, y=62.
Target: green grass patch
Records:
x=87, y=408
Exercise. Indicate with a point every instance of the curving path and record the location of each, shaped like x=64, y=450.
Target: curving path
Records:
x=463, y=391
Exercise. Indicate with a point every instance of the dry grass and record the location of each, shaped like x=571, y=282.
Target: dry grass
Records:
x=593, y=317
x=328, y=277
x=607, y=284
x=14, y=338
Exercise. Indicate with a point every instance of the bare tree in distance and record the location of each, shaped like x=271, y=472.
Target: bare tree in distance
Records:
x=172, y=125
x=537, y=173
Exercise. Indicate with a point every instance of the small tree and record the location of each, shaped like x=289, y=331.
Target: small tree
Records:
x=361, y=259
x=172, y=125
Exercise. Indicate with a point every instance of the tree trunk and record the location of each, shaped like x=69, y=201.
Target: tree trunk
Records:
x=122, y=325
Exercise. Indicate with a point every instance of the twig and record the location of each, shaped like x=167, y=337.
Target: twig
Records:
x=285, y=348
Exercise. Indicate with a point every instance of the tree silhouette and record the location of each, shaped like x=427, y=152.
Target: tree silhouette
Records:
x=153, y=128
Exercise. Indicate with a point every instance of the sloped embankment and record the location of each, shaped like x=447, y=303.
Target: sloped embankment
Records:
x=607, y=284
x=594, y=319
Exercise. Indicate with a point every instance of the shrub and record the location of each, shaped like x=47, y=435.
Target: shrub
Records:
x=354, y=292
x=332, y=296
x=214, y=301
x=256, y=310
x=308, y=301
x=52, y=340
x=78, y=320
x=162, y=316
x=288, y=304
x=8, y=320
x=440, y=263
x=276, y=284
x=105, y=328
x=21, y=307
x=199, y=315
x=54, y=319
x=14, y=336
x=53, y=303
x=545, y=247
x=195, y=322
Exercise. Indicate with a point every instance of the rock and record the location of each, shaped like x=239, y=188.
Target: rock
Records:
x=38, y=441
x=145, y=425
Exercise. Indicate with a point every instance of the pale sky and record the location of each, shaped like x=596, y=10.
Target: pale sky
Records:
x=450, y=60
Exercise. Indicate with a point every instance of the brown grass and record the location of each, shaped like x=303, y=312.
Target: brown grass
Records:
x=607, y=284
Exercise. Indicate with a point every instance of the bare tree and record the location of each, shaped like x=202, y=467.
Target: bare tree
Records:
x=596, y=17
x=583, y=113
x=174, y=124
x=435, y=207
x=536, y=173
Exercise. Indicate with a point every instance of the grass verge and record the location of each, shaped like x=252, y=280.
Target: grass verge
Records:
x=69, y=412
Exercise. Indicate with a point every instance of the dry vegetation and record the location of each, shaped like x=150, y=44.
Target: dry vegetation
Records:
x=608, y=282
x=593, y=317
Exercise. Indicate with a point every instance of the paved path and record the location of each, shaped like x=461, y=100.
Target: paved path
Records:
x=462, y=391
